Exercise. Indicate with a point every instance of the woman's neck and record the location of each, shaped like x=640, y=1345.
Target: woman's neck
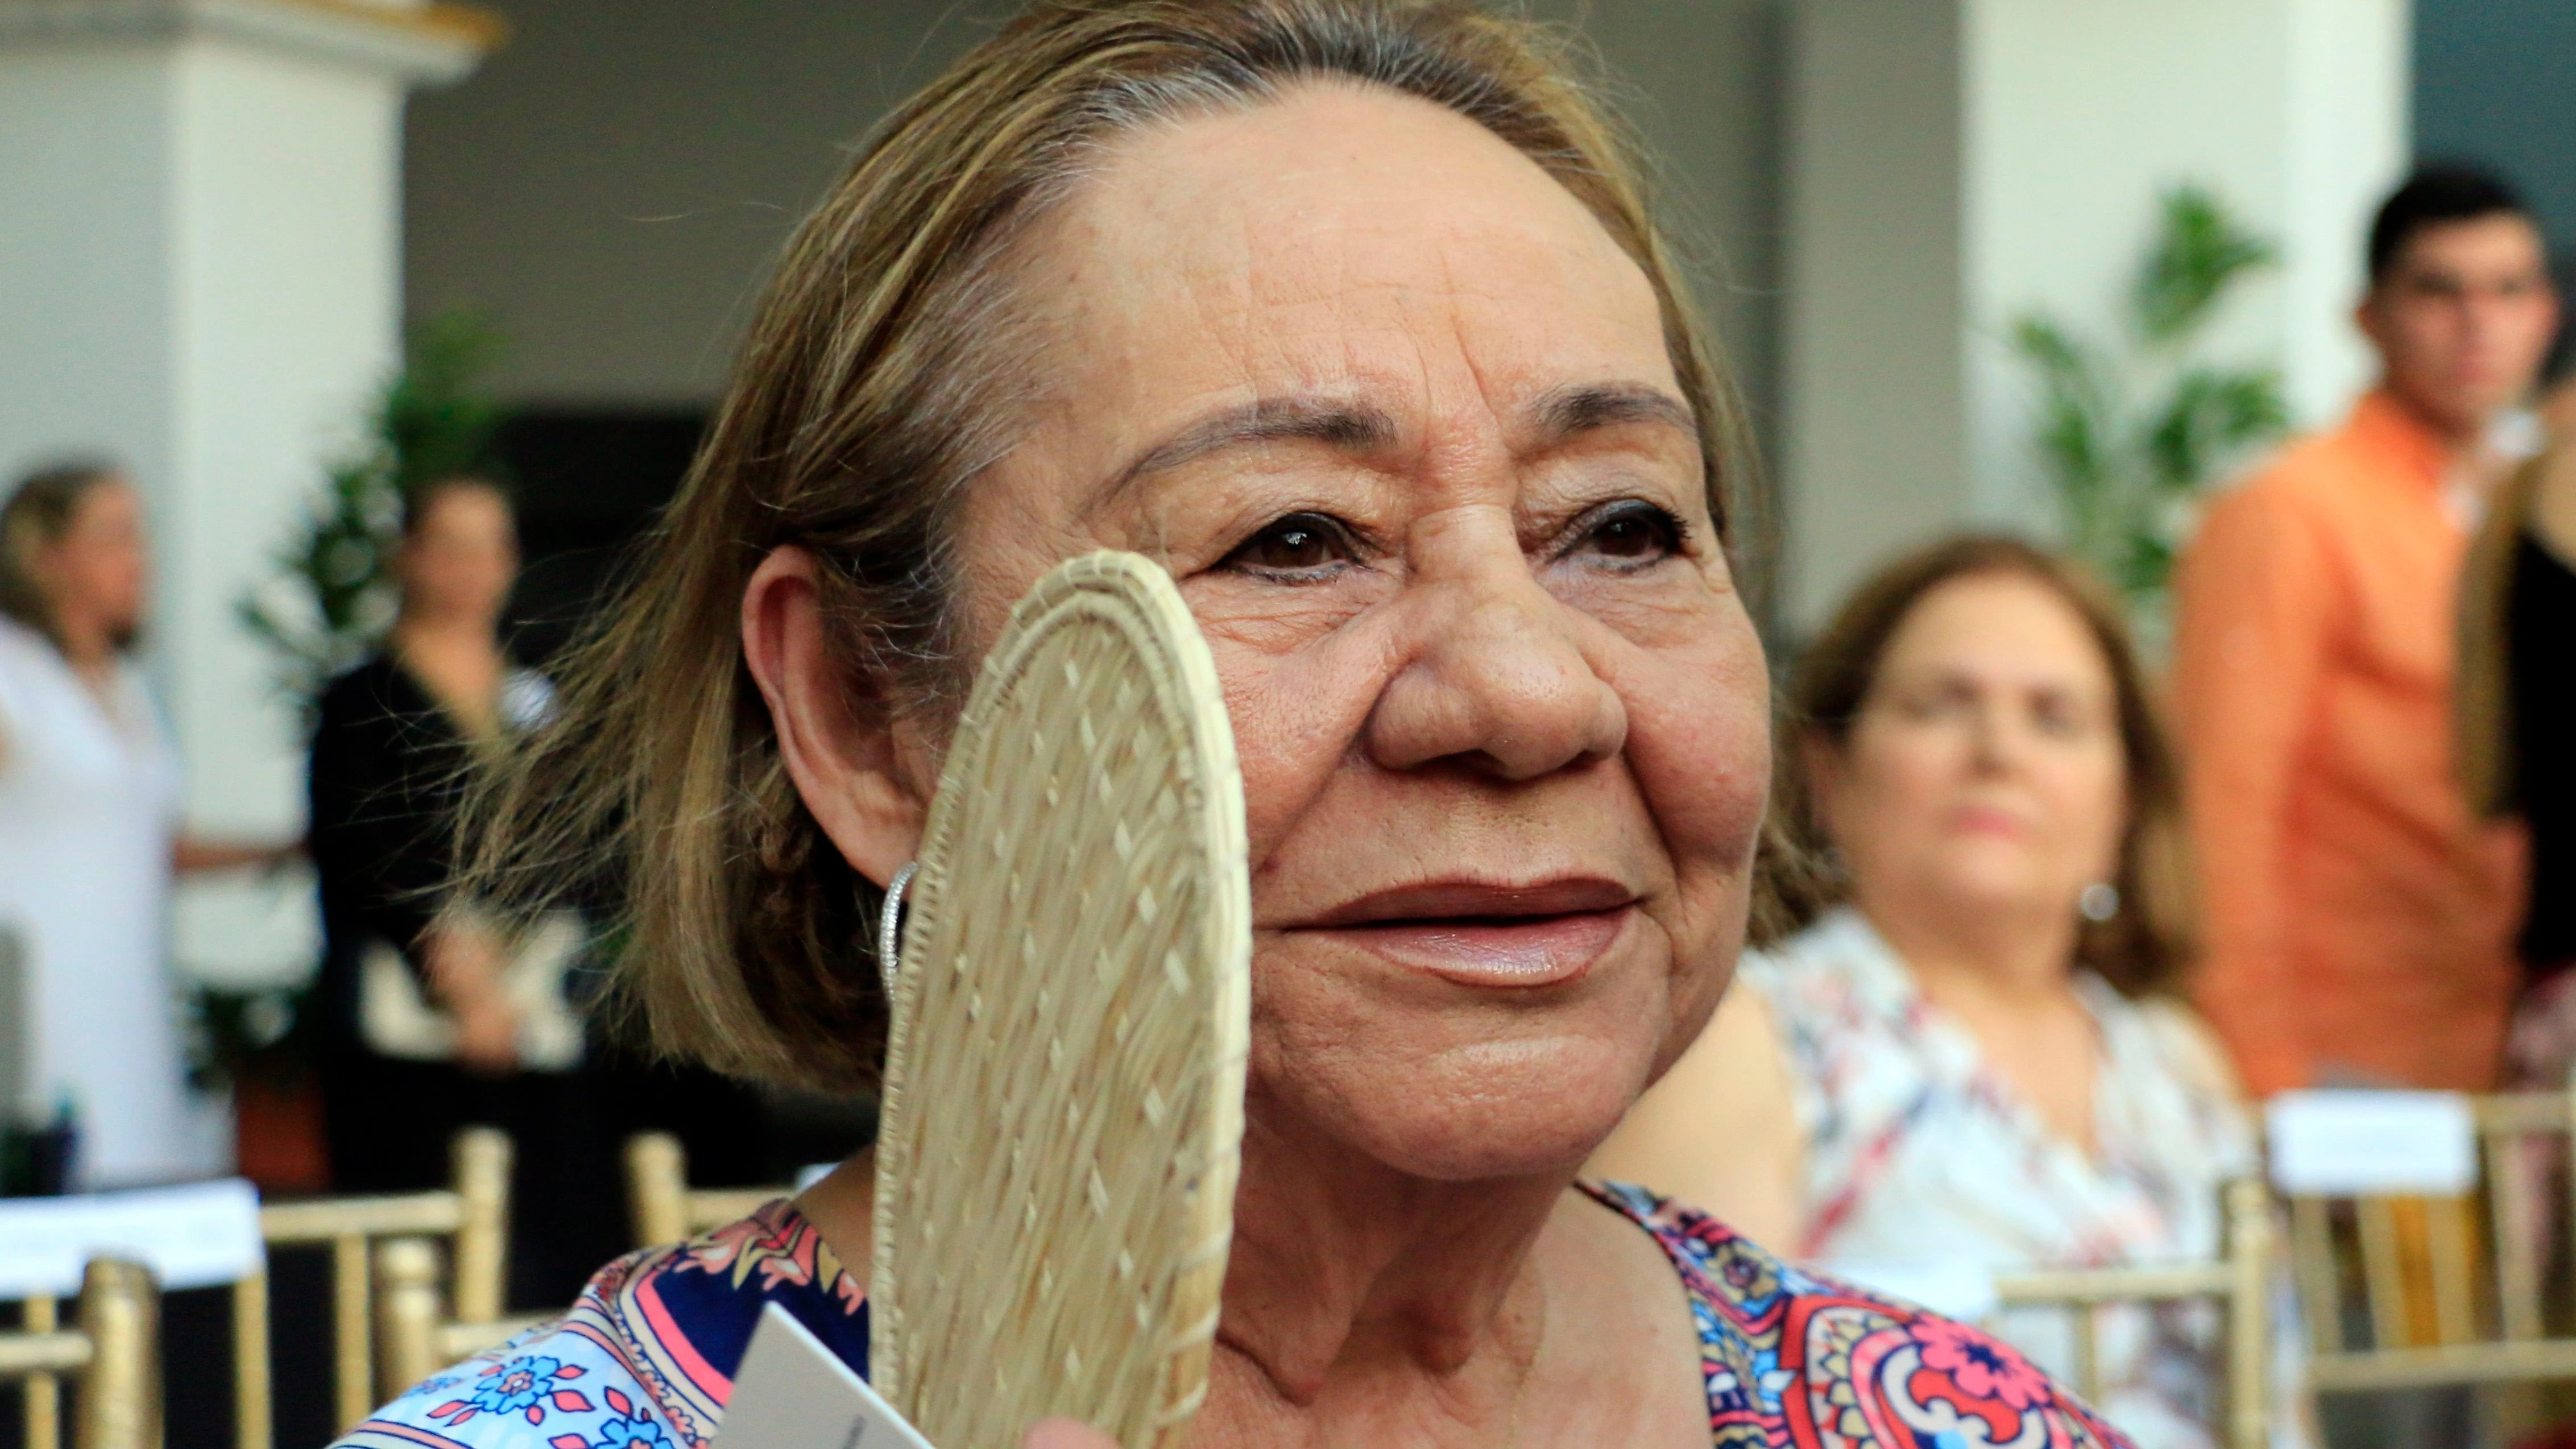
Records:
x=445, y=633
x=1344, y=1268
x=89, y=647
x=2008, y=978
x=458, y=661
x=2003, y=954
x=1364, y=1306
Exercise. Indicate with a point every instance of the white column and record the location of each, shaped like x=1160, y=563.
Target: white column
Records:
x=1957, y=163
x=200, y=278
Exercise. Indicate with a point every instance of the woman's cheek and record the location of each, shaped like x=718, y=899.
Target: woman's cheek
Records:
x=1700, y=743
x=1700, y=747
x=1293, y=718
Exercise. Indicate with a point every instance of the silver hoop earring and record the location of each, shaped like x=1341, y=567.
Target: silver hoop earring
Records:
x=890, y=926
x=2099, y=902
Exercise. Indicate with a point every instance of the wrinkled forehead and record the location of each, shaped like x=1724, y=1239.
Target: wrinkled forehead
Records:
x=1339, y=237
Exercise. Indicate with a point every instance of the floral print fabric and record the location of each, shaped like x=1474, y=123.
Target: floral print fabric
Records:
x=1918, y=1153
x=1791, y=1361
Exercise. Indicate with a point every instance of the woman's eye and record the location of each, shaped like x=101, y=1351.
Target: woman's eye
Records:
x=1633, y=532
x=2062, y=719
x=1301, y=543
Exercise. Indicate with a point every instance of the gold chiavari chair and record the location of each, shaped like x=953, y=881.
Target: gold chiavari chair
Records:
x=2241, y=1281
x=387, y=1238
x=663, y=1206
x=2445, y=1290
x=416, y=1335
x=113, y=1351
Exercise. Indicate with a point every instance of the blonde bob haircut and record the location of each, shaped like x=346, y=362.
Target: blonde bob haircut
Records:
x=878, y=378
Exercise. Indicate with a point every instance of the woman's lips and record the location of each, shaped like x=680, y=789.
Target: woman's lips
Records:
x=1475, y=934
x=1981, y=820
x=1522, y=951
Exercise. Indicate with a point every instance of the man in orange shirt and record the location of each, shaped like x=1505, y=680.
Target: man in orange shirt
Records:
x=2359, y=921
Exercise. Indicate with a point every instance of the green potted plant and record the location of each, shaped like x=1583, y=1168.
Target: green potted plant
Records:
x=2131, y=430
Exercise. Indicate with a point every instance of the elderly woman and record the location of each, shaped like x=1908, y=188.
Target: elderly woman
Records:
x=1974, y=1053
x=1347, y=313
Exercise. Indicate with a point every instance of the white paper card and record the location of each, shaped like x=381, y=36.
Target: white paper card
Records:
x=195, y=1236
x=1953, y=1288
x=793, y=1393
x=2372, y=1143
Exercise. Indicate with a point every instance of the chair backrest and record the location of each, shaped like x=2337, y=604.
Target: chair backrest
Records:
x=2402, y=1291
x=472, y=1214
x=2241, y=1281
x=114, y=1350
x=416, y=1338
x=662, y=1205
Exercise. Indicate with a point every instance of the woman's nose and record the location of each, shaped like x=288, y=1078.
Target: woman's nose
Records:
x=1496, y=681
x=1998, y=738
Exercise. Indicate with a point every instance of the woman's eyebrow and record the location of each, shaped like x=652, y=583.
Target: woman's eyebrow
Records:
x=1357, y=427
x=1346, y=426
x=1581, y=407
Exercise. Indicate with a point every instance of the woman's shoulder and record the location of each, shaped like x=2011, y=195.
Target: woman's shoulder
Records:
x=645, y=1358
x=1832, y=980
x=1805, y=1360
x=563, y=1385
x=2166, y=1035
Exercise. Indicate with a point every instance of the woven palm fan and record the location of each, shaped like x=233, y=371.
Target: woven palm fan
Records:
x=1063, y=1098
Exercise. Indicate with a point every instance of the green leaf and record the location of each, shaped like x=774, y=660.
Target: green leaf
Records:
x=2213, y=414
x=2124, y=466
x=2199, y=251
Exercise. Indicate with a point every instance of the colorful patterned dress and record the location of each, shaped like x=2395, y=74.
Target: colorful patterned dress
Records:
x=1918, y=1156
x=646, y=1358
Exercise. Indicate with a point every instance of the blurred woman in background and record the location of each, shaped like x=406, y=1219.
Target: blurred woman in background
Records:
x=89, y=835
x=432, y=1017
x=1972, y=1052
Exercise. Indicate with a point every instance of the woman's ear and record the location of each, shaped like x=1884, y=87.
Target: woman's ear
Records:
x=836, y=734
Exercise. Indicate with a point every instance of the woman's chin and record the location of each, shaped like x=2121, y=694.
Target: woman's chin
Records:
x=2009, y=888
x=1491, y=1111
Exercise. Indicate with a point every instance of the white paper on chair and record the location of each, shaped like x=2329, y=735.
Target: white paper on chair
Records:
x=793, y=1393
x=195, y=1236
x=2371, y=1143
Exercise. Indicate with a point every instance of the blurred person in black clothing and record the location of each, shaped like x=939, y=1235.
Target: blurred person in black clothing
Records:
x=2517, y=702
x=432, y=1017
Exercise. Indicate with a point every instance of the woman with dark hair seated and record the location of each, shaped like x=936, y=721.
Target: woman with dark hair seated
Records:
x=1975, y=1052
x=1349, y=315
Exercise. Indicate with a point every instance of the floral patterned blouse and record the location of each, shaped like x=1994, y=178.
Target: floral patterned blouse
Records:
x=1919, y=1154
x=646, y=1358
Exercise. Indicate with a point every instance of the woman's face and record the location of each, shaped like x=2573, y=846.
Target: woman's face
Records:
x=1398, y=416
x=461, y=556
x=1985, y=772
x=97, y=576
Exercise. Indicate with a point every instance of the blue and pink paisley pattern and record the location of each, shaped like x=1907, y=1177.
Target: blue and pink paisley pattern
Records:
x=1791, y=1361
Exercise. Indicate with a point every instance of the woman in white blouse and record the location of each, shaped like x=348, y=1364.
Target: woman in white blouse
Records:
x=90, y=832
x=1972, y=1055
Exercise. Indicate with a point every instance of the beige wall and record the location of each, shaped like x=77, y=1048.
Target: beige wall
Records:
x=1956, y=164
x=613, y=184
x=1875, y=443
